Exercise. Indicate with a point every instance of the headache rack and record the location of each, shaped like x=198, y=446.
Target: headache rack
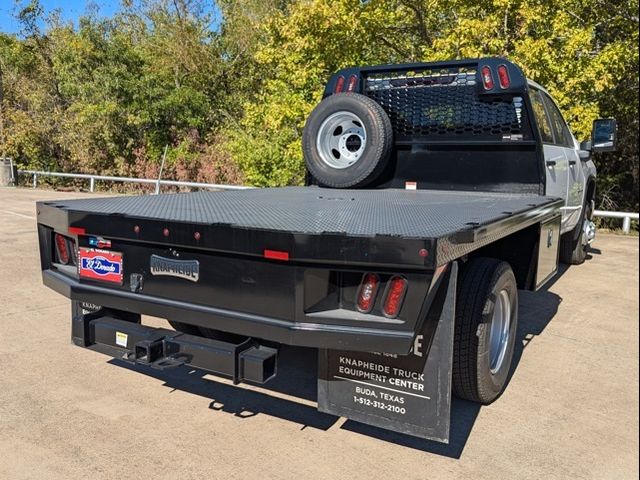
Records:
x=446, y=101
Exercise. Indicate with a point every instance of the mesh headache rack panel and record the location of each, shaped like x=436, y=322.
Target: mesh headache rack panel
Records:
x=443, y=104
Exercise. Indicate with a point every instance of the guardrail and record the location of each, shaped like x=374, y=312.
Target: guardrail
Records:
x=107, y=178
x=625, y=216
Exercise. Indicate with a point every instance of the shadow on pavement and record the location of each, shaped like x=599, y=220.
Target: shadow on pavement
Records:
x=296, y=378
x=536, y=310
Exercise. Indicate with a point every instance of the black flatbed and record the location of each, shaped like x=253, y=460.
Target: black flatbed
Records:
x=369, y=277
x=458, y=221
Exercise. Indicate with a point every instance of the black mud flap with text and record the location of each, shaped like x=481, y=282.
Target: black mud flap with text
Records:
x=411, y=393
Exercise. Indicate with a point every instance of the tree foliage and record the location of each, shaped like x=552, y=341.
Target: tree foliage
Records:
x=109, y=94
x=229, y=88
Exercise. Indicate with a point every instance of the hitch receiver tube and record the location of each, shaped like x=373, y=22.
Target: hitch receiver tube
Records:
x=162, y=349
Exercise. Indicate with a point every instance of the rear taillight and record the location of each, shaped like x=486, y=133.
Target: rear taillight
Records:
x=339, y=85
x=503, y=77
x=62, y=249
x=487, y=78
x=353, y=83
x=367, y=292
x=396, y=290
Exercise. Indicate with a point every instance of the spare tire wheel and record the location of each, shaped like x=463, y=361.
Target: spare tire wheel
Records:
x=347, y=141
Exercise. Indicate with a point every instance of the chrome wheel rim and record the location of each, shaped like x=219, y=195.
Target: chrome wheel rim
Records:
x=500, y=329
x=588, y=232
x=341, y=140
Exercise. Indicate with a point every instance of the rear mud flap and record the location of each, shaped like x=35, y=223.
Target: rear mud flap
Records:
x=410, y=394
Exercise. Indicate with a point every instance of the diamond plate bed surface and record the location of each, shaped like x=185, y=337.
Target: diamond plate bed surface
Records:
x=313, y=210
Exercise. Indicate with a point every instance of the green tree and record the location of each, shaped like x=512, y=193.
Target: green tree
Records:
x=108, y=94
x=584, y=52
x=228, y=88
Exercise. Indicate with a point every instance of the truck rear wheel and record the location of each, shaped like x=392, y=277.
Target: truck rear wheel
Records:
x=485, y=329
x=347, y=141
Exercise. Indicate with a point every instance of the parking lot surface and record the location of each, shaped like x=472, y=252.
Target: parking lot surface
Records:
x=570, y=410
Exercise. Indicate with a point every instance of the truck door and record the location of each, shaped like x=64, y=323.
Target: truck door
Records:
x=576, y=178
x=556, y=162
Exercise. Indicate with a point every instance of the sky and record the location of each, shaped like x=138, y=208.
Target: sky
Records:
x=70, y=10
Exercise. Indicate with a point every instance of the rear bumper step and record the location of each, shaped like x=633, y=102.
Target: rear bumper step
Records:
x=162, y=348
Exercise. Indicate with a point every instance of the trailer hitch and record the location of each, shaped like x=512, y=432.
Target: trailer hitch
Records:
x=160, y=354
x=162, y=349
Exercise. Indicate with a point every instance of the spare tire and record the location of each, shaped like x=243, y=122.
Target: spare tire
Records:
x=347, y=141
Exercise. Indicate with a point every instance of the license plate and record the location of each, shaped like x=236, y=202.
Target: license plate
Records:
x=100, y=265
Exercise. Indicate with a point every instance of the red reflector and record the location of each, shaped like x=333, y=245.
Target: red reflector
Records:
x=339, y=85
x=367, y=292
x=396, y=290
x=77, y=231
x=487, y=78
x=353, y=83
x=503, y=76
x=62, y=248
x=276, y=255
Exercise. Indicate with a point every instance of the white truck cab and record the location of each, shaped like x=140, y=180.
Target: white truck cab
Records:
x=570, y=171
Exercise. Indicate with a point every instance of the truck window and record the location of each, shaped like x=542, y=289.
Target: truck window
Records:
x=560, y=129
x=544, y=125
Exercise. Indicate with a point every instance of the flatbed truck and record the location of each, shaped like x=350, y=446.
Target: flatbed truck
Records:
x=434, y=192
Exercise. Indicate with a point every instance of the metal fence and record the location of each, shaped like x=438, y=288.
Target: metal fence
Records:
x=106, y=178
x=626, y=217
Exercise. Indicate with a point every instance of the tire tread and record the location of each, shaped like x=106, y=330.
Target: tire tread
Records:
x=476, y=281
x=383, y=146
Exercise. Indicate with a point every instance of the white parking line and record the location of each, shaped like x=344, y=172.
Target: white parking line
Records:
x=18, y=214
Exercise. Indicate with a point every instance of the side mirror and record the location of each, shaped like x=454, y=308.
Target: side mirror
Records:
x=585, y=150
x=604, y=136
